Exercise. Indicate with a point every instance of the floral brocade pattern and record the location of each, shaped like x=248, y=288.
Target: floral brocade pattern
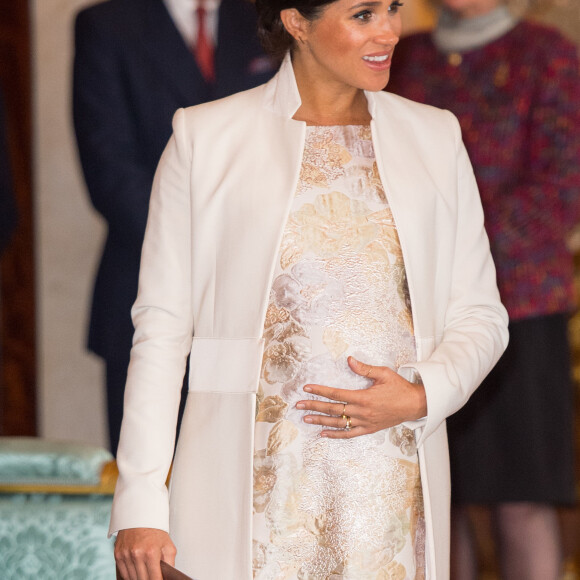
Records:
x=335, y=509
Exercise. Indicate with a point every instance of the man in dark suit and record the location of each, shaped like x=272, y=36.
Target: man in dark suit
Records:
x=135, y=65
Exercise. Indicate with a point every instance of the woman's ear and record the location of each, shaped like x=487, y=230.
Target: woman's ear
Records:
x=294, y=23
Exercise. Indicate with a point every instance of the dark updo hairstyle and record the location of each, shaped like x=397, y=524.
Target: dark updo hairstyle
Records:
x=274, y=37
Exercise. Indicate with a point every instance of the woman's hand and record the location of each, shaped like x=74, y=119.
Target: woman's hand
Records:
x=139, y=551
x=391, y=400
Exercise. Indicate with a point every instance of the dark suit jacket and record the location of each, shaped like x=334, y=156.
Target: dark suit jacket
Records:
x=132, y=70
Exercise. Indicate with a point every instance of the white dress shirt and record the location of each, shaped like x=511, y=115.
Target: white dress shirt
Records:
x=184, y=15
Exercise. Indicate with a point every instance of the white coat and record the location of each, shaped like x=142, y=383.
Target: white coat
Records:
x=219, y=204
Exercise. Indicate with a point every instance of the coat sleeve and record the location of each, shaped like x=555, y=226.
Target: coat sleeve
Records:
x=163, y=321
x=117, y=176
x=475, y=328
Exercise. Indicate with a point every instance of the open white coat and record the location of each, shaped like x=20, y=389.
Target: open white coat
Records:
x=219, y=205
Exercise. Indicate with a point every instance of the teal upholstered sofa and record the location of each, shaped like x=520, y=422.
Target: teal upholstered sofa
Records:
x=55, y=499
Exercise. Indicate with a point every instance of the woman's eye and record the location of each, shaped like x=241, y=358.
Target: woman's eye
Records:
x=394, y=7
x=363, y=15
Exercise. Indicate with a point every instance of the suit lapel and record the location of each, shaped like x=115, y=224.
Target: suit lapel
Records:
x=170, y=55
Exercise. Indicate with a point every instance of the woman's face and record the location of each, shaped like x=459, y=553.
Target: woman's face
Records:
x=470, y=8
x=352, y=42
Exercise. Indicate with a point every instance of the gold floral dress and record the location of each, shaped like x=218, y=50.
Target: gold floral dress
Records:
x=323, y=508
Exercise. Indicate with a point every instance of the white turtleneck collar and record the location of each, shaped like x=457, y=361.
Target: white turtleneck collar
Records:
x=454, y=34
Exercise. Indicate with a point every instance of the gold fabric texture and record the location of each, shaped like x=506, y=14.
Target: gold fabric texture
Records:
x=335, y=509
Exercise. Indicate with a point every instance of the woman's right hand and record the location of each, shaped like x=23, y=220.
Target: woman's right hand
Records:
x=139, y=551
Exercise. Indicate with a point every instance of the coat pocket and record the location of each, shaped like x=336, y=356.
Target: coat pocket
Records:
x=225, y=365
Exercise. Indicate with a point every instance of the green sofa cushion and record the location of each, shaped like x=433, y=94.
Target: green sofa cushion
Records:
x=30, y=460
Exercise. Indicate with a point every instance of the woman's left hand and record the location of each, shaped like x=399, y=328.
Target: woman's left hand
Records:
x=389, y=401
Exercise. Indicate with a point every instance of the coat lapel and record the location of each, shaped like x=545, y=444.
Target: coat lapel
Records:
x=240, y=211
x=276, y=161
x=411, y=193
x=251, y=225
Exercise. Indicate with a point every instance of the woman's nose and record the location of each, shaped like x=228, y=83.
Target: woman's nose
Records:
x=387, y=36
x=388, y=30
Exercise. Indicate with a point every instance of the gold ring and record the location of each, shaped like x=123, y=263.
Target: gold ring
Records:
x=368, y=373
x=348, y=425
x=343, y=416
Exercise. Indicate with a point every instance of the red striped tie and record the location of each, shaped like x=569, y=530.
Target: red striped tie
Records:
x=203, y=47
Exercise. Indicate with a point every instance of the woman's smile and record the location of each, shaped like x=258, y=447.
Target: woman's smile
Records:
x=378, y=62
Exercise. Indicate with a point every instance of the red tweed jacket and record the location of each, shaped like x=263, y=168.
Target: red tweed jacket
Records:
x=518, y=103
